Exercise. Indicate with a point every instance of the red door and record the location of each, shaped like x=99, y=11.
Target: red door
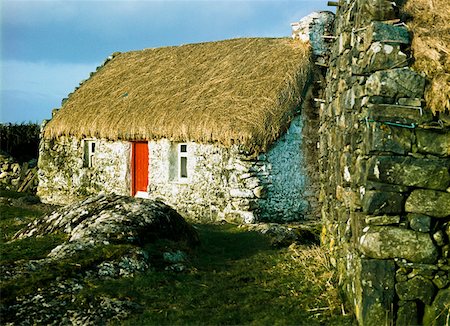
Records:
x=139, y=167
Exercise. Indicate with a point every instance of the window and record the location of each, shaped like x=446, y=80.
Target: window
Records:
x=89, y=151
x=182, y=161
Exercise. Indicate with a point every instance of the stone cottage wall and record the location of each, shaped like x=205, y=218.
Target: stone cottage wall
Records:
x=222, y=183
x=384, y=164
x=228, y=184
x=64, y=178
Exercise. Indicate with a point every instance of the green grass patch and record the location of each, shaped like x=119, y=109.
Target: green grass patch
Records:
x=236, y=277
x=233, y=277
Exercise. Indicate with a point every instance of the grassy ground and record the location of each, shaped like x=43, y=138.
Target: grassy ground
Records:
x=233, y=277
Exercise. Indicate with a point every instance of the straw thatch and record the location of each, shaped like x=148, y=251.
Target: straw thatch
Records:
x=241, y=91
x=430, y=24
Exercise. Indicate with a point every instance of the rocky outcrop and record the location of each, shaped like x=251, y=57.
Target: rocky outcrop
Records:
x=107, y=236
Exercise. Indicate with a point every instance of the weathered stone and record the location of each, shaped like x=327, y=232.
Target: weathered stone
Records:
x=383, y=220
x=372, y=185
x=384, y=242
x=396, y=83
x=410, y=101
x=438, y=313
x=419, y=222
x=312, y=28
x=429, y=202
x=397, y=115
x=407, y=314
x=436, y=143
x=381, y=202
x=385, y=33
x=441, y=280
x=373, y=10
x=241, y=193
x=417, y=288
x=439, y=238
x=381, y=56
x=374, y=291
x=385, y=138
x=410, y=171
x=112, y=218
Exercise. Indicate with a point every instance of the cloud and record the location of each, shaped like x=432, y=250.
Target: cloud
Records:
x=32, y=90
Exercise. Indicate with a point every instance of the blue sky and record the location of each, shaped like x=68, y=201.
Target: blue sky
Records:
x=48, y=47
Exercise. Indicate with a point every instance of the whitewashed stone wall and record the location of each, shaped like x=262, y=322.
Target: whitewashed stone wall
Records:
x=226, y=184
x=222, y=183
x=286, y=177
x=64, y=179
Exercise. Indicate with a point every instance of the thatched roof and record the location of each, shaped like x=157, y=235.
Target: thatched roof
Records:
x=430, y=23
x=241, y=91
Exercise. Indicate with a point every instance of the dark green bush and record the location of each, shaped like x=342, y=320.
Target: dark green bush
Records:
x=21, y=141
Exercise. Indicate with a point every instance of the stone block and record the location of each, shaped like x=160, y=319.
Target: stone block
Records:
x=395, y=115
x=410, y=171
x=433, y=142
x=396, y=83
x=372, y=185
x=417, y=288
x=429, y=202
x=441, y=279
x=374, y=291
x=385, y=33
x=385, y=242
x=407, y=314
x=410, y=101
x=438, y=313
x=419, y=222
x=374, y=10
x=382, y=202
x=241, y=193
x=384, y=138
x=383, y=220
x=380, y=56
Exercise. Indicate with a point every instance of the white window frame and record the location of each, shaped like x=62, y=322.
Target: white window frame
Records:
x=181, y=155
x=89, y=148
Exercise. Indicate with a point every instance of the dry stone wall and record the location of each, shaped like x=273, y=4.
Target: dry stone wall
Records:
x=384, y=165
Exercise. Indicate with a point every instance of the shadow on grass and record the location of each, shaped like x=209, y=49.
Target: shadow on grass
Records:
x=223, y=244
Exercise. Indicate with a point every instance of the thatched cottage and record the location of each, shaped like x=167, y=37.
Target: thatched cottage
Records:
x=212, y=129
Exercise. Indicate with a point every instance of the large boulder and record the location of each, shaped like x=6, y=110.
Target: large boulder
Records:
x=112, y=219
x=104, y=237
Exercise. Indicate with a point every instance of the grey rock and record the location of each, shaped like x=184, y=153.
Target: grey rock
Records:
x=113, y=218
x=383, y=220
x=410, y=171
x=396, y=83
x=417, y=288
x=384, y=242
x=433, y=142
x=429, y=202
x=382, y=202
x=419, y=222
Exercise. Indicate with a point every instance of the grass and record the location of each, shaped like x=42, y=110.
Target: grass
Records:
x=234, y=277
